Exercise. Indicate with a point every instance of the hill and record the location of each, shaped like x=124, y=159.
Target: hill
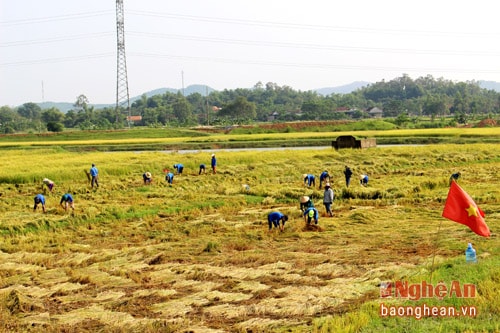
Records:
x=192, y=89
x=345, y=89
x=203, y=90
x=490, y=85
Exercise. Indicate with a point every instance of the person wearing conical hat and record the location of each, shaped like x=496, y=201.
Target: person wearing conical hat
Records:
x=147, y=177
x=363, y=180
x=328, y=197
x=49, y=183
x=214, y=164
x=305, y=202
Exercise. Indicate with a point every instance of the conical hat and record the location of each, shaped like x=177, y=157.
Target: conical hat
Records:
x=304, y=199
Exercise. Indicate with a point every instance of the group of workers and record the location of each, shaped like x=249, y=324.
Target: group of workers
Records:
x=67, y=200
x=276, y=219
x=310, y=213
x=310, y=179
x=179, y=168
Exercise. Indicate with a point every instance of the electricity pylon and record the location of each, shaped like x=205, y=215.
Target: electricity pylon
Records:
x=122, y=95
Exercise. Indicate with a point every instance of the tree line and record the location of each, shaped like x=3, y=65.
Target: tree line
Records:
x=400, y=99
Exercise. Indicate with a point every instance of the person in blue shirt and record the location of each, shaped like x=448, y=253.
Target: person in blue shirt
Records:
x=324, y=177
x=148, y=178
x=311, y=214
x=214, y=164
x=309, y=180
x=67, y=200
x=169, y=177
x=94, y=173
x=274, y=218
x=179, y=168
x=454, y=177
x=39, y=200
x=347, y=174
x=363, y=180
x=202, y=169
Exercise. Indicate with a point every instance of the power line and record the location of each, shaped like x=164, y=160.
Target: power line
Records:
x=56, y=39
x=255, y=43
x=307, y=65
x=247, y=62
x=55, y=18
x=57, y=60
x=286, y=25
x=306, y=46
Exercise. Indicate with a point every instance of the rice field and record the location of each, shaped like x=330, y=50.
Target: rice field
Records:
x=197, y=256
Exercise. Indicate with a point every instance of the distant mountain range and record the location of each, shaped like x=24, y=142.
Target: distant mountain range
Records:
x=345, y=89
x=203, y=90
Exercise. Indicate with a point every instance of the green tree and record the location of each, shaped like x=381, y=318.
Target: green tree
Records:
x=8, y=120
x=434, y=106
x=182, y=110
x=30, y=111
x=241, y=110
x=52, y=115
x=81, y=102
x=53, y=126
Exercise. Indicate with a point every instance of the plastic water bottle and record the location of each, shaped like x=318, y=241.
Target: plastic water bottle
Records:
x=470, y=254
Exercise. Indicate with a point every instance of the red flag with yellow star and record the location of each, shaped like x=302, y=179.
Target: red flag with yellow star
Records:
x=460, y=207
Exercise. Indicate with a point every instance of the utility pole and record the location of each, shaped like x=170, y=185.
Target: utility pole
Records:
x=182, y=78
x=206, y=100
x=122, y=95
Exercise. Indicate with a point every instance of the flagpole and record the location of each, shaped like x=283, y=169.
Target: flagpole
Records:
x=434, y=250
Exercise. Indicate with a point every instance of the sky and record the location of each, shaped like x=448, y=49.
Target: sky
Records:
x=56, y=50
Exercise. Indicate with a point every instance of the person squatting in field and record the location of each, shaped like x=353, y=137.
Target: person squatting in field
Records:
x=309, y=179
x=39, y=200
x=202, y=169
x=363, y=180
x=454, y=177
x=274, y=218
x=48, y=183
x=305, y=202
x=311, y=214
x=328, y=197
x=67, y=201
x=147, y=177
x=169, y=177
x=179, y=168
x=324, y=177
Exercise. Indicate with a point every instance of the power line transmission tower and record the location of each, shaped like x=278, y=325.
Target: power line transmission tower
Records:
x=122, y=95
